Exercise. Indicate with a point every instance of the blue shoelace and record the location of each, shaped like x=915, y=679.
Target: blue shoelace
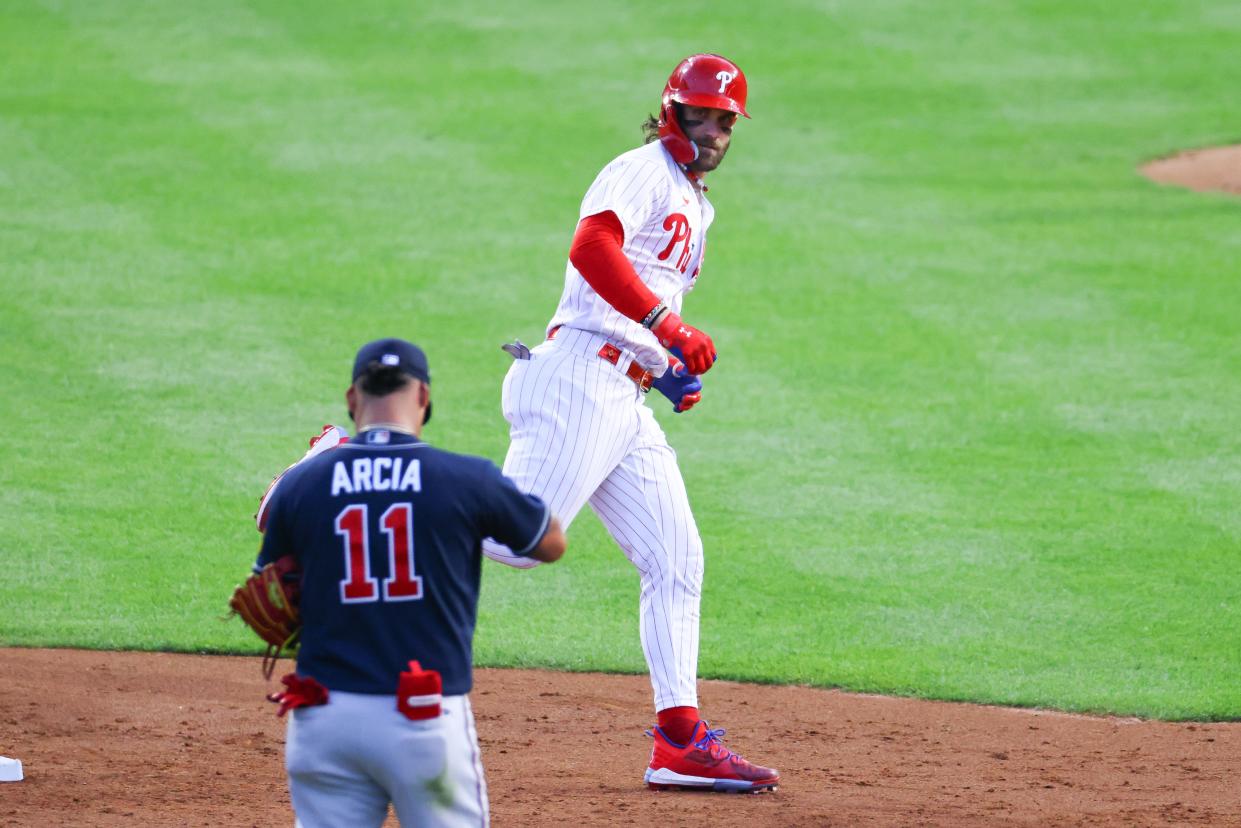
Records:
x=716, y=736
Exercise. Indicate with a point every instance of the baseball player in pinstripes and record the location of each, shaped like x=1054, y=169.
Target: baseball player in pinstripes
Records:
x=580, y=431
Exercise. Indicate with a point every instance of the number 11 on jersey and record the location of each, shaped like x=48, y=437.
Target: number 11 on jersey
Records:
x=359, y=585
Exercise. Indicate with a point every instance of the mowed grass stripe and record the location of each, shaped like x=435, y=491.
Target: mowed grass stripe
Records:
x=1020, y=578
x=968, y=437
x=139, y=335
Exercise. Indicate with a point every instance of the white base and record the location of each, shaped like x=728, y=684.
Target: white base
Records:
x=10, y=769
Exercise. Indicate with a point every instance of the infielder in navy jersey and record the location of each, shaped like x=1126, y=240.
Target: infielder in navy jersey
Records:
x=581, y=432
x=386, y=532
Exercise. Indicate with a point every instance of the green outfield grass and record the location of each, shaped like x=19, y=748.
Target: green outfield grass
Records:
x=975, y=431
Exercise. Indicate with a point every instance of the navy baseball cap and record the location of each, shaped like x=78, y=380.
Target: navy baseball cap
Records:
x=405, y=355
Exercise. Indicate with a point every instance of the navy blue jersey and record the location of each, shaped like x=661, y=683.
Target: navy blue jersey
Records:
x=387, y=531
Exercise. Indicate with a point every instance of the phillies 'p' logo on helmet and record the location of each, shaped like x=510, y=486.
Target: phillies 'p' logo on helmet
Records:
x=699, y=80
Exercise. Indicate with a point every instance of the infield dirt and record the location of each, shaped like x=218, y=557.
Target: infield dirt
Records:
x=1207, y=169
x=122, y=738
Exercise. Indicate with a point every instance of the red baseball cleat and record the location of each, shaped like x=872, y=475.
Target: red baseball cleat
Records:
x=704, y=763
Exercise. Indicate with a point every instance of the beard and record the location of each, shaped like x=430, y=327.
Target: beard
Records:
x=708, y=158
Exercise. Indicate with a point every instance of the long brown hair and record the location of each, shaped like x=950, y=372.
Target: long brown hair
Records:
x=650, y=129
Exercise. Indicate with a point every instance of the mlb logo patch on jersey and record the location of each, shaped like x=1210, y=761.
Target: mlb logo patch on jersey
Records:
x=380, y=436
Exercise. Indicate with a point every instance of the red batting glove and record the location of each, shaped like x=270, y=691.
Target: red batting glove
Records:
x=298, y=692
x=690, y=345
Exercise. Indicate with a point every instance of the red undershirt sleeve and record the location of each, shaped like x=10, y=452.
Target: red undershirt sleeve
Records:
x=597, y=254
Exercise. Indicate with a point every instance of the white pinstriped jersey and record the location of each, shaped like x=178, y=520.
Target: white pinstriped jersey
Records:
x=665, y=218
x=581, y=431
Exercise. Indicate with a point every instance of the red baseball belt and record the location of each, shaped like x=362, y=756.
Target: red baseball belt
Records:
x=641, y=377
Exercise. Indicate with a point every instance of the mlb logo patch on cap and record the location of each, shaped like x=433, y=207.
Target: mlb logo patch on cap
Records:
x=393, y=353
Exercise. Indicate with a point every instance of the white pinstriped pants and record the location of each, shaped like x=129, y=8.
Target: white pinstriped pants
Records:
x=581, y=433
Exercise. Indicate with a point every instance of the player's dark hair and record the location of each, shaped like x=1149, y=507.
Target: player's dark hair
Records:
x=650, y=129
x=380, y=380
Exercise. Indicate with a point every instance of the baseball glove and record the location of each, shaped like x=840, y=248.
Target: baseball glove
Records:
x=267, y=602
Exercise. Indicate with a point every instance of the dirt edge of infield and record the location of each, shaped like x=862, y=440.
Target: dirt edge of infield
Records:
x=114, y=738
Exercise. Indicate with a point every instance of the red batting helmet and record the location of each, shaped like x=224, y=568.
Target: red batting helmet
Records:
x=699, y=80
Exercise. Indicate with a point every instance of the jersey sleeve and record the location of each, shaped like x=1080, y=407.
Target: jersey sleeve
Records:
x=631, y=189
x=510, y=516
x=277, y=539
